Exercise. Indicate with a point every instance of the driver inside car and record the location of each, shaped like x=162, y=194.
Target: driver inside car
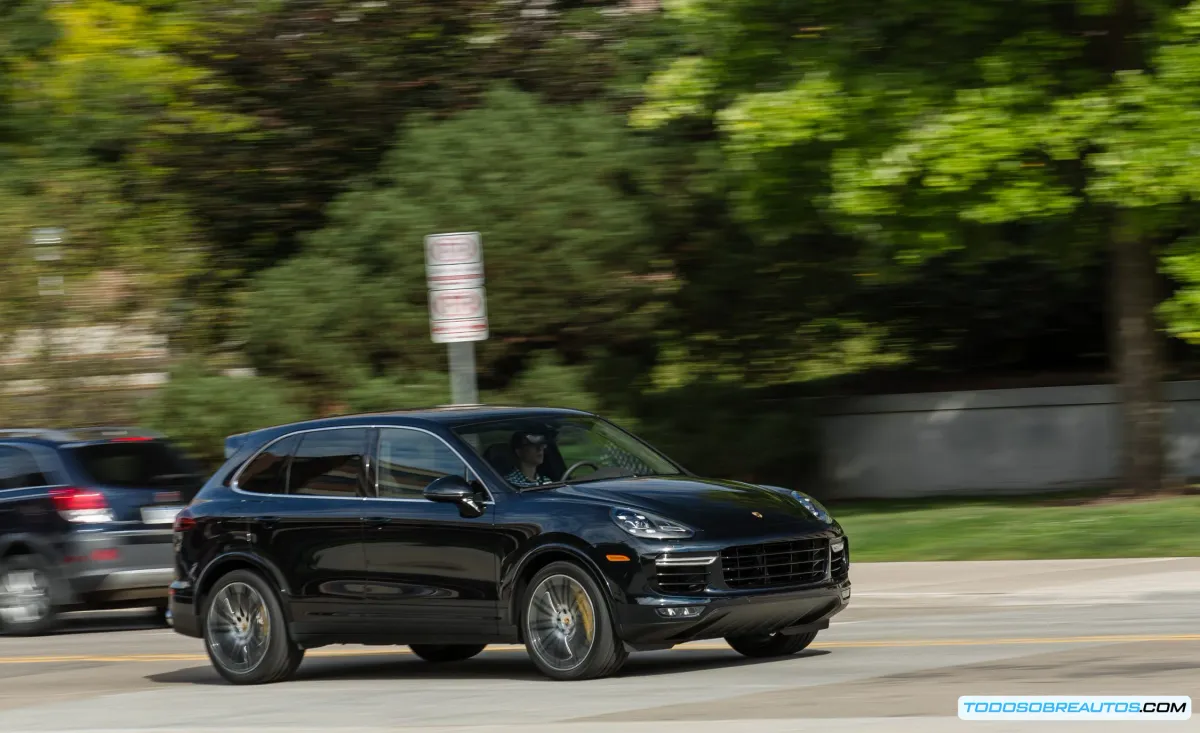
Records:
x=530, y=449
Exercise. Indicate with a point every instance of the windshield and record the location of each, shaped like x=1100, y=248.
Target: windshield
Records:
x=531, y=452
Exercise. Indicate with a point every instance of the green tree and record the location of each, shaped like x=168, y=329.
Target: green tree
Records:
x=90, y=89
x=199, y=409
x=553, y=192
x=1050, y=129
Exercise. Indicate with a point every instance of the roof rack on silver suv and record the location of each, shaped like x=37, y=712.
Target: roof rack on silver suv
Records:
x=74, y=435
x=114, y=431
x=45, y=433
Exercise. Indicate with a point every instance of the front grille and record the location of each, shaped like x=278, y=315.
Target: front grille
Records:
x=776, y=564
x=681, y=578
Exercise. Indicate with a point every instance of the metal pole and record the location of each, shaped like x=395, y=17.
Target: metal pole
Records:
x=47, y=247
x=463, y=389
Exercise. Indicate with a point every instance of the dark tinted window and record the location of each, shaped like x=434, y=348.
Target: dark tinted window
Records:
x=19, y=469
x=136, y=465
x=329, y=463
x=267, y=472
x=410, y=460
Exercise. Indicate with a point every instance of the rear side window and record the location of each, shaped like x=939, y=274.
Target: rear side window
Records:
x=329, y=463
x=19, y=469
x=267, y=472
x=137, y=465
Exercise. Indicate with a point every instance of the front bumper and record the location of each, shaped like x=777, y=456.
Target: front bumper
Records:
x=644, y=624
x=772, y=582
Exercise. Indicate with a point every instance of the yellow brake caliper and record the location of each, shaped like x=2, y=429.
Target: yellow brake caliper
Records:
x=585, y=611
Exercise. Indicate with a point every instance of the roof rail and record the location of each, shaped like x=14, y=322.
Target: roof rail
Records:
x=115, y=431
x=44, y=433
x=74, y=435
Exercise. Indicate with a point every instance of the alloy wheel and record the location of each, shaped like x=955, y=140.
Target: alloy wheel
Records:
x=239, y=627
x=561, y=622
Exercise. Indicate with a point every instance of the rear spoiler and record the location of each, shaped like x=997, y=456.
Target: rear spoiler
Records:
x=233, y=442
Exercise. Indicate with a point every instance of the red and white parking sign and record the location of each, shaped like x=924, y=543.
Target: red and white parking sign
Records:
x=457, y=305
x=454, y=261
x=453, y=249
x=457, y=299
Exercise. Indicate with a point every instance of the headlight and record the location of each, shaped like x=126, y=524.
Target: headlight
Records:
x=813, y=506
x=648, y=526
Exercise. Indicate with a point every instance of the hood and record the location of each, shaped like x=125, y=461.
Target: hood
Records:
x=714, y=508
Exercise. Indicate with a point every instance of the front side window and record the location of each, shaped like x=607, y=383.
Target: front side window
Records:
x=329, y=463
x=410, y=460
x=530, y=452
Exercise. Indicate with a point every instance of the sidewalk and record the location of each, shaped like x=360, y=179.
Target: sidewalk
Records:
x=1023, y=582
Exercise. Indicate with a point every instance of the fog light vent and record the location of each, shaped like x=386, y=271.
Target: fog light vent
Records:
x=680, y=611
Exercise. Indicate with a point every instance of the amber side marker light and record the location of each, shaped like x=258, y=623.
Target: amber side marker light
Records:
x=617, y=558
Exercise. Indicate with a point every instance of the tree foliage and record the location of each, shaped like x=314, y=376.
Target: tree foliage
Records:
x=1049, y=129
x=808, y=189
x=553, y=192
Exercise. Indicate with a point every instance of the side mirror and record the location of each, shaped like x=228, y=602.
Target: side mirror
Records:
x=455, y=490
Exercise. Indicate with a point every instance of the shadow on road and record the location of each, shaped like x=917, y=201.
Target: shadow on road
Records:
x=499, y=665
x=103, y=622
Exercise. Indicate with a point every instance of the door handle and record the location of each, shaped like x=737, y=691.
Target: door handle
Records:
x=379, y=522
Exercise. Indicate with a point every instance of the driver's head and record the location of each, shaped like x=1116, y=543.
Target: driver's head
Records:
x=529, y=447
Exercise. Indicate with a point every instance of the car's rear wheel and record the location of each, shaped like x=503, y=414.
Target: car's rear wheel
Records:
x=440, y=653
x=770, y=645
x=26, y=596
x=245, y=633
x=567, y=626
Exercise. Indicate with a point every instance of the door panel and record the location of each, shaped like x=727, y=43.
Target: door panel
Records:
x=25, y=504
x=432, y=572
x=317, y=544
x=313, y=528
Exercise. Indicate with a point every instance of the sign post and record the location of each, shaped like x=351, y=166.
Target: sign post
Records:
x=457, y=305
x=47, y=244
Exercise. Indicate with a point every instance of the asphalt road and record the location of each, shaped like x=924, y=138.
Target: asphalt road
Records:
x=915, y=639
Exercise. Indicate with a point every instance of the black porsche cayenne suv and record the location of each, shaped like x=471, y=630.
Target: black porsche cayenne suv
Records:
x=453, y=528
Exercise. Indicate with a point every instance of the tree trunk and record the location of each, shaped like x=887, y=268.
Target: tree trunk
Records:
x=1138, y=357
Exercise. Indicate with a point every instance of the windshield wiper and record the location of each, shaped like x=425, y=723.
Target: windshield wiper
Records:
x=589, y=479
x=542, y=487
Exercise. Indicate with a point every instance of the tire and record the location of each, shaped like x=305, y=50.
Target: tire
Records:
x=26, y=596
x=584, y=609
x=441, y=653
x=162, y=616
x=274, y=657
x=770, y=645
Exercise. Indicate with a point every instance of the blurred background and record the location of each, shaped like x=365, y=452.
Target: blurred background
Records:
x=935, y=262
x=896, y=252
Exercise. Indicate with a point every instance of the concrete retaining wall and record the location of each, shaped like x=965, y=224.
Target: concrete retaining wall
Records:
x=993, y=441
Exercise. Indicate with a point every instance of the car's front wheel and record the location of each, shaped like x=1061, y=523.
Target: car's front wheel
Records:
x=245, y=634
x=440, y=653
x=770, y=645
x=567, y=626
